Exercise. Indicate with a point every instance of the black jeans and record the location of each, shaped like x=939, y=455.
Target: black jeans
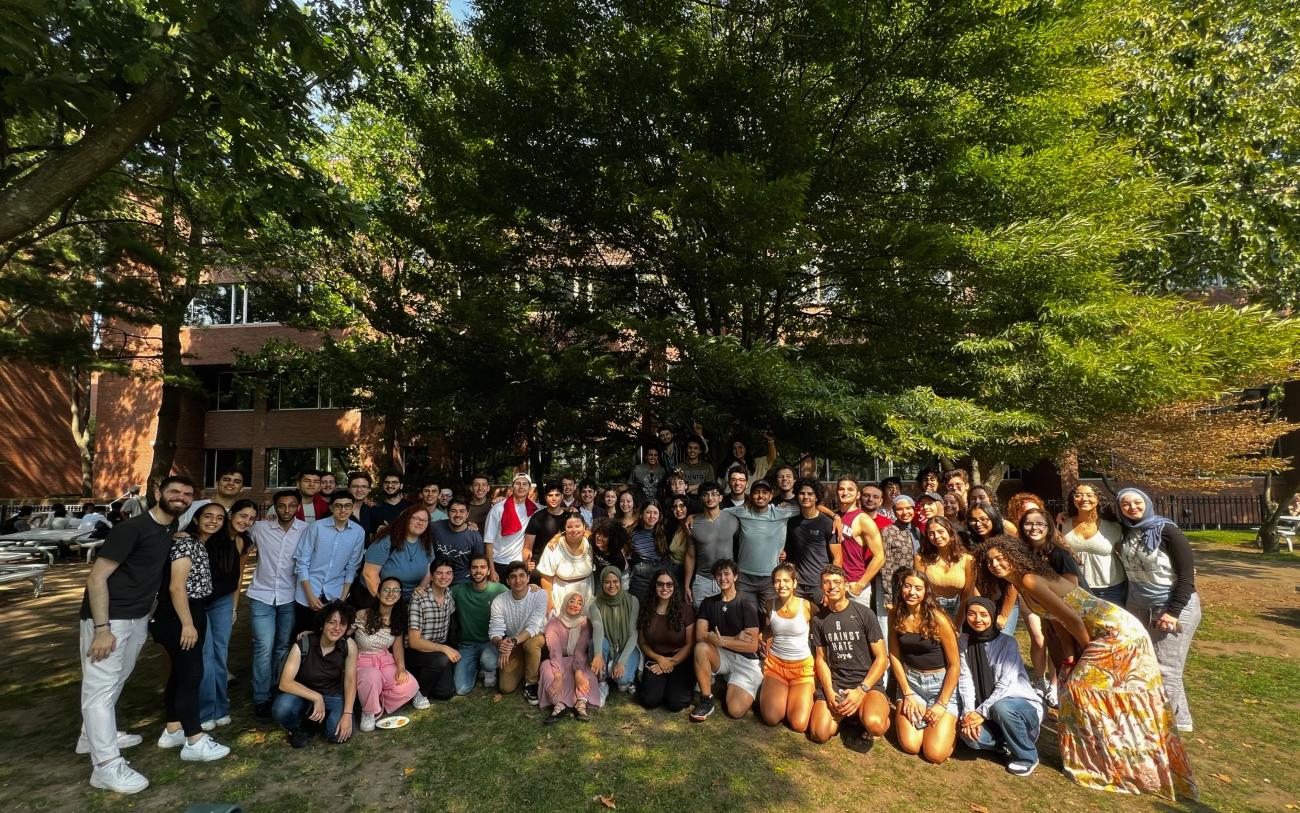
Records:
x=435, y=673
x=672, y=691
x=181, y=692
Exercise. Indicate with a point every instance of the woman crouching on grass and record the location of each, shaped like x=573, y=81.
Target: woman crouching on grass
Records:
x=923, y=655
x=383, y=684
x=787, y=692
x=319, y=680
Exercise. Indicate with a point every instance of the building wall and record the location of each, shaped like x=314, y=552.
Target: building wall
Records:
x=37, y=455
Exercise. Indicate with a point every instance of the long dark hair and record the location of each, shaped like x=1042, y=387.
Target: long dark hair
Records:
x=930, y=553
x=396, y=616
x=932, y=615
x=995, y=519
x=676, y=604
x=223, y=557
x=614, y=533
x=1054, y=538
x=659, y=532
x=400, y=528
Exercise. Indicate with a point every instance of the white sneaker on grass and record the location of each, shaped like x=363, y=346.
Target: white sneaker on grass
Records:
x=223, y=720
x=208, y=725
x=367, y=722
x=124, y=740
x=119, y=777
x=171, y=739
x=204, y=749
x=1021, y=767
x=420, y=701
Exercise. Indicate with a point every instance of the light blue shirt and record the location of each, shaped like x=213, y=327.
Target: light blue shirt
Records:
x=1009, y=676
x=327, y=558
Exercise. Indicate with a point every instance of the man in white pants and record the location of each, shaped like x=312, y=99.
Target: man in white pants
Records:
x=115, y=611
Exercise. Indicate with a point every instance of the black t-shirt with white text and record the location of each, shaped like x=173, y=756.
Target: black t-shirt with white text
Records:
x=730, y=618
x=847, y=636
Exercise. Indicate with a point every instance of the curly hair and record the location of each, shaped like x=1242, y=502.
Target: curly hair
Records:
x=396, y=617
x=932, y=615
x=930, y=553
x=1072, y=510
x=400, y=528
x=613, y=531
x=1054, y=538
x=676, y=605
x=1017, y=554
x=1019, y=503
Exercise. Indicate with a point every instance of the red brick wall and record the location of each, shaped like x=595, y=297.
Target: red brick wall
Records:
x=37, y=455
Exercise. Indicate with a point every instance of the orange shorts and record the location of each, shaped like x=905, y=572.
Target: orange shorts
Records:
x=791, y=673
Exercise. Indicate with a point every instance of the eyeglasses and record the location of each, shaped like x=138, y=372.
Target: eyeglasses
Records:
x=391, y=591
x=1038, y=525
x=662, y=585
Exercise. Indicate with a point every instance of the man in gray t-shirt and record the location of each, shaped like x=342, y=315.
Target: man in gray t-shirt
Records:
x=713, y=537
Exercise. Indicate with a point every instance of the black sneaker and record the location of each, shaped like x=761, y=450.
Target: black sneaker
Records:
x=530, y=693
x=558, y=713
x=299, y=739
x=702, y=709
x=262, y=711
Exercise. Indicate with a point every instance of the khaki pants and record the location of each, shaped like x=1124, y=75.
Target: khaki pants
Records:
x=525, y=662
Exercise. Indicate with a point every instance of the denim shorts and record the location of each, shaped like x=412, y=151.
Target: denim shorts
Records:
x=949, y=605
x=926, y=686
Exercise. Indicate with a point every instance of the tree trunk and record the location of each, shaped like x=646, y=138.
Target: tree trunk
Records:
x=82, y=430
x=1068, y=466
x=1268, y=538
x=992, y=473
x=169, y=405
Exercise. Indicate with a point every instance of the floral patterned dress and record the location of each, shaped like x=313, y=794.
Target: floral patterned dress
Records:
x=1116, y=727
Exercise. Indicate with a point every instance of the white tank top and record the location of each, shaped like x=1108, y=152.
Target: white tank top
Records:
x=789, y=637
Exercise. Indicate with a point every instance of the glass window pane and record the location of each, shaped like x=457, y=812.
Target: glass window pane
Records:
x=218, y=460
x=260, y=308
x=297, y=393
x=284, y=465
x=210, y=306
x=234, y=391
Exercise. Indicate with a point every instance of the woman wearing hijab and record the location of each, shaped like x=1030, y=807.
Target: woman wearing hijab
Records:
x=1161, y=590
x=1115, y=724
x=567, y=680
x=618, y=612
x=1000, y=709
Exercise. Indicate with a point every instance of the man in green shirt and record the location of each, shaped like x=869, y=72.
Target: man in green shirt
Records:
x=473, y=608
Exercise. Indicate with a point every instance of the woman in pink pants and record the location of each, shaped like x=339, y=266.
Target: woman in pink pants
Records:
x=383, y=684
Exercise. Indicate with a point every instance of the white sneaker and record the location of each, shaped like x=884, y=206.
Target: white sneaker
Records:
x=205, y=749
x=1051, y=697
x=222, y=720
x=171, y=739
x=489, y=680
x=420, y=701
x=124, y=740
x=367, y=722
x=208, y=725
x=119, y=777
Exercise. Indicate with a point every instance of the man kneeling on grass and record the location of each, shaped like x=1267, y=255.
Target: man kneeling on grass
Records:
x=319, y=681
x=726, y=643
x=850, y=661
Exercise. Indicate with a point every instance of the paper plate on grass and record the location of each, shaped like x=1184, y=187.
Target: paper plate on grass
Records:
x=396, y=721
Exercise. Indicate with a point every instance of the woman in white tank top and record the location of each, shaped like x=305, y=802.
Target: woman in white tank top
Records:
x=788, y=679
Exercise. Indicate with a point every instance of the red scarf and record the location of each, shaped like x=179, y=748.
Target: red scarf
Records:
x=510, y=524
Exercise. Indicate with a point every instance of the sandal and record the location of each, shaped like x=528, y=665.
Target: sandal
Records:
x=580, y=712
x=556, y=715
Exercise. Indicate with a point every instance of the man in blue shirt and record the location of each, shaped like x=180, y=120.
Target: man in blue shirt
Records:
x=455, y=542
x=325, y=563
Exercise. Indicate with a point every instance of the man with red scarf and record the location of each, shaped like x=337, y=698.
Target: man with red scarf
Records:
x=504, y=535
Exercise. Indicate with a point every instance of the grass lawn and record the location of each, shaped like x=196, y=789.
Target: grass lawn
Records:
x=485, y=753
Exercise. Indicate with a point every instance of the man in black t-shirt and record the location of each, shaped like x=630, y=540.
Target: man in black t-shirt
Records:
x=390, y=504
x=850, y=661
x=544, y=525
x=455, y=542
x=120, y=592
x=726, y=643
x=810, y=542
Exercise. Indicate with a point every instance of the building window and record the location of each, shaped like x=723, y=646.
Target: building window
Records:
x=232, y=392
x=284, y=465
x=226, y=304
x=290, y=392
x=216, y=461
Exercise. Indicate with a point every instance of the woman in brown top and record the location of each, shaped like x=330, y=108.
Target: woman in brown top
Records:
x=666, y=634
x=319, y=681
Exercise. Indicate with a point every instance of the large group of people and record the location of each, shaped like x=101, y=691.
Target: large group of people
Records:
x=820, y=607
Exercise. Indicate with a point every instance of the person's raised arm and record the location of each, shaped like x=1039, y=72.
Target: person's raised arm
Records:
x=104, y=641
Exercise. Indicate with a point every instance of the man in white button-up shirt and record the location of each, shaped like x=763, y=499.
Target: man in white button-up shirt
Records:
x=271, y=595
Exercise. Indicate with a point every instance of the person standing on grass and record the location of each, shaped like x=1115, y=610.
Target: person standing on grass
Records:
x=516, y=618
x=726, y=644
x=180, y=625
x=479, y=504
x=392, y=502
x=862, y=552
x=120, y=592
x=455, y=542
x=712, y=536
x=326, y=560
x=313, y=507
x=271, y=604
x=227, y=554
x=737, y=488
x=787, y=691
x=544, y=525
x=431, y=501
x=1002, y=712
x=319, y=680
x=504, y=533
x=811, y=542
x=1094, y=541
x=473, y=608
x=429, y=656
x=359, y=486
x=1161, y=574
x=850, y=663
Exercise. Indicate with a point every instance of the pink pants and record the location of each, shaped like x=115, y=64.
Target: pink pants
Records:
x=377, y=688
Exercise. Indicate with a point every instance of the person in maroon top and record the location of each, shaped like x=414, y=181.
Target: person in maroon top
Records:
x=862, y=550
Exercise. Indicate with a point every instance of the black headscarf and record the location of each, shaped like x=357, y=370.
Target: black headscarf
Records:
x=976, y=652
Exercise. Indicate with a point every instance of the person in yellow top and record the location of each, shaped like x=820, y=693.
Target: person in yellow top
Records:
x=950, y=569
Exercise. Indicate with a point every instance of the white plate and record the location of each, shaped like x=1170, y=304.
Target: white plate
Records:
x=396, y=721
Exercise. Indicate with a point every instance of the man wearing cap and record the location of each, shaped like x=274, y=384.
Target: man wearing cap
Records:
x=506, y=522
x=712, y=538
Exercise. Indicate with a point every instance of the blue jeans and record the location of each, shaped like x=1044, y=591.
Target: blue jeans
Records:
x=289, y=710
x=629, y=670
x=272, y=629
x=214, y=702
x=1116, y=594
x=1012, y=723
x=474, y=657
